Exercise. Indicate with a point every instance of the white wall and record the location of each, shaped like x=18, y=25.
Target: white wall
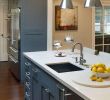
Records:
x=3, y=30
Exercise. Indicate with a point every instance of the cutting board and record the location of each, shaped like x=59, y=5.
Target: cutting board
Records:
x=83, y=78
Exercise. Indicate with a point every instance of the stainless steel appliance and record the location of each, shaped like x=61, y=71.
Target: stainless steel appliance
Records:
x=14, y=49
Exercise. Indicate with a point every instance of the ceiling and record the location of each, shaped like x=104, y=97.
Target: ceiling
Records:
x=105, y=2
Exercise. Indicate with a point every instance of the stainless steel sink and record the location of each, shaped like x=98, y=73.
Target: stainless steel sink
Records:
x=64, y=67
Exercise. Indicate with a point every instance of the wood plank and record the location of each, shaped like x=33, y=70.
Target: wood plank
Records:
x=10, y=89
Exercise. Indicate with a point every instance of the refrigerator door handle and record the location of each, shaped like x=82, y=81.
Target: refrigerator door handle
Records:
x=13, y=50
x=12, y=59
x=14, y=40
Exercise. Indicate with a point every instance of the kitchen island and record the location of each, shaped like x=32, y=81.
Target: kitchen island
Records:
x=52, y=80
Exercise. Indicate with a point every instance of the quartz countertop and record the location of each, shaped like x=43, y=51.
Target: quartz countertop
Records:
x=42, y=58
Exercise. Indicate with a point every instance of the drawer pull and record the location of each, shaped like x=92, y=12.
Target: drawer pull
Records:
x=62, y=89
x=35, y=70
x=27, y=76
x=28, y=73
x=14, y=50
x=27, y=94
x=27, y=64
x=68, y=94
x=27, y=84
x=63, y=92
x=46, y=90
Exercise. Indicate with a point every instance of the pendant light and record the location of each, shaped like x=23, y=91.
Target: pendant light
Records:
x=93, y=3
x=66, y=4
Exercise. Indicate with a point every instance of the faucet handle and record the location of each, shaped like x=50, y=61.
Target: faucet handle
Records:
x=82, y=61
x=76, y=59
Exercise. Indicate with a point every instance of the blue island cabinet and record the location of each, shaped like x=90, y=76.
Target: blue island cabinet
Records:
x=43, y=86
x=39, y=85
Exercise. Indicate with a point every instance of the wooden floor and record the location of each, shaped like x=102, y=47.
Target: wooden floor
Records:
x=10, y=89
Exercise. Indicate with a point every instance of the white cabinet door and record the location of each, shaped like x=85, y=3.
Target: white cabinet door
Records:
x=3, y=31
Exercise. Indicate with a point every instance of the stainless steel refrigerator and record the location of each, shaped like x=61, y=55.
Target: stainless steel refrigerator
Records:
x=14, y=45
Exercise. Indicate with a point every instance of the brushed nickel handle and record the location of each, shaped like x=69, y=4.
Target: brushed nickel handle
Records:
x=27, y=84
x=27, y=94
x=63, y=92
x=68, y=94
x=14, y=50
x=35, y=70
x=13, y=59
x=46, y=90
x=28, y=76
x=28, y=73
x=27, y=64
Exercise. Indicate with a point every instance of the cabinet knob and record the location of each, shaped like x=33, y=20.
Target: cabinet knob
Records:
x=46, y=90
x=27, y=64
x=35, y=70
x=28, y=86
x=27, y=94
x=28, y=77
x=27, y=73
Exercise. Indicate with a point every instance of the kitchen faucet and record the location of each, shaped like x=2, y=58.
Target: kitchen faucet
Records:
x=82, y=60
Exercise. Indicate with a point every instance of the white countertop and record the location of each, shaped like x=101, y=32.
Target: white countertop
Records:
x=88, y=93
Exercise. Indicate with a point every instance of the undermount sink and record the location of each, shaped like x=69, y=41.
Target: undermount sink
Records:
x=64, y=67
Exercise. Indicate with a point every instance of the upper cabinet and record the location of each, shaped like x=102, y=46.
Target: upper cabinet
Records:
x=34, y=16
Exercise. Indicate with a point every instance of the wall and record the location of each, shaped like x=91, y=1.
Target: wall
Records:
x=3, y=30
x=84, y=32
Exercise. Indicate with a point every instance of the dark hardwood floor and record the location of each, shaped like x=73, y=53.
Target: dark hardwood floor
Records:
x=10, y=89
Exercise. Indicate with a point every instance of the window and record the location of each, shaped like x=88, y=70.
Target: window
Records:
x=102, y=29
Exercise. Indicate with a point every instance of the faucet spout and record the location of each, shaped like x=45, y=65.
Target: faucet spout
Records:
x=81, y=48
x=81, y=52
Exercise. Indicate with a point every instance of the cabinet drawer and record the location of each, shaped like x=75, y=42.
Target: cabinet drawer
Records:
x=27, y=65
x=43, y=77
x=27, y=93
x=35, y=42
x=27, y=75
x=28, y=85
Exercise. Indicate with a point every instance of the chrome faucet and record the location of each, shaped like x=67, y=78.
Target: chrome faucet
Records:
x=82, y=60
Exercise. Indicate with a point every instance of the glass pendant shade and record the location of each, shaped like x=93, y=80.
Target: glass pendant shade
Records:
x=66, y=4
x=93, y=3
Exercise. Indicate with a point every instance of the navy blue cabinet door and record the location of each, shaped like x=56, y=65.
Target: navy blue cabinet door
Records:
x=46, y=93
x=33, y=25
x=34, y=16
x=35, y=89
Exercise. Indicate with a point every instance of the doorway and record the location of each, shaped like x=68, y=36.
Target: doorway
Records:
x=3, y=30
